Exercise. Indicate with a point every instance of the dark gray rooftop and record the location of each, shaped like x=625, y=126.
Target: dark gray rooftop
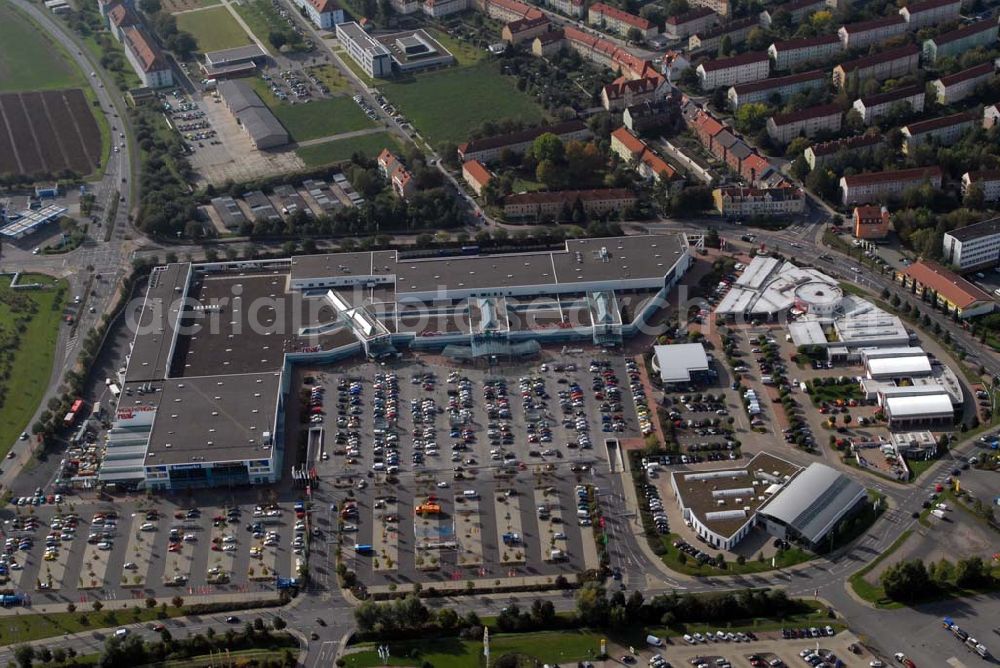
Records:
x=150, y=355
x=235, y=55
x=214, y=418
x=262, y=126
x=969, y=232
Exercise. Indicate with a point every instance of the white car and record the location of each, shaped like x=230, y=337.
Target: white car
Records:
x=104, y=546
x=229, y=547
x=130, y=566
x=148, y=526
x=442, y=484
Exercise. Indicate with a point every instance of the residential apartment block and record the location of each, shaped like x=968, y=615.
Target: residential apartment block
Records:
x=634, y=151
x=695, y=21
x=146, y=58
x=506, y=11
x=957, y=42
x=746, y=67
x=782, y=87
x=888, y=64
x=366, y=51
x=945, y=130
x=548, y=43
x=873, y=107
x=711, y=40
x=880, y=186
x=863, y=34
x=476, y=175
x=931, y=12
x=871, y=222
x=819, y=154
x=539, y=205
x=794, y=52
x=987, y=181
x=525, y=30
x=799, y=9
x=973, y=246
x=718, y=140
x=720, y=7
x=574, y=8
x=488, y=149
x=323, y=13
x=396, y=174
x=960, y=85
x=960, y=296
x=739, y=201
x=619, y=21
x=648, y=116
x=783, y=128
x=623, y=92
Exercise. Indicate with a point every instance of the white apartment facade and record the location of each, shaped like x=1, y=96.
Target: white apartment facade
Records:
x=878, y=186
x=324, y=14
x=889, y=64
x=874, y=107
x=783, y=87
x=931, y=12
x=573, y=8
x=974, y=246
x=960, y=85
x=945, y=130
x=863, y=34
x=805, y=122
x=794, y=52
x=987, y=180
x=746, y=67
x=367, y=52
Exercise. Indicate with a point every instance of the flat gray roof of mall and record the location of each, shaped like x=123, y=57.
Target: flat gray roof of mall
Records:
x=214, y=418
x=633, y=257
x=150, y=355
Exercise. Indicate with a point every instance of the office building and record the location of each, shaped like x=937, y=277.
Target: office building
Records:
x=370, y=54
x=974, y=246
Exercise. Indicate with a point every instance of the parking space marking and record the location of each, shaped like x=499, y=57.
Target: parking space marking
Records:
x=550, y=523
x=510, y=537
x=138, y=552
x=468, y=531
x=94, y=567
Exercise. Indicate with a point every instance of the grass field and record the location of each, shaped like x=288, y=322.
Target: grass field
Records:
x=32, y=362
x=354, y=67
x=29, y=60
x=262, y=18
x=319, y=118
x=342, y=149
x=213, y=29
x=559, y=647
x=331, y=77
x=465, y=53
x=173, y=6
x=429, y=101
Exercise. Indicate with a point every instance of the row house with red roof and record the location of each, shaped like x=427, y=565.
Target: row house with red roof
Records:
x=958, y=86
x=395, y=172
x=324, y=14
x=741, y=201
x=635, y=151
x=931, y=12
x=945, y=130
x=622, y=92
x=689, y=23
x=619, y=21
x=726, y=145
x=476, y=175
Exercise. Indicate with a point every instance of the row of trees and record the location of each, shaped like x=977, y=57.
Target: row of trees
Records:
x=167, y=205
x=912, y=581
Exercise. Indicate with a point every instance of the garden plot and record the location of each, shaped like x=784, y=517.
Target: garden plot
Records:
x=385, y=537
x=510, y=537
x=469, y=530
x=551, y=536
x=139, y=552
x=92, y=571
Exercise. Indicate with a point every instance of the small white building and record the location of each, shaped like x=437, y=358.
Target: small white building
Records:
x=681, y=363
x=324, y=14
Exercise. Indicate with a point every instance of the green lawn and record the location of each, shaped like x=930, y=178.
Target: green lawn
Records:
x=339, y=150
x=562, y=647
x=315, y=119
x=354, y=67
x=33, y=351
x=672, y=559
x=331, y=77
x=465, y=53
x=263, y=18
x=214, y=29
x=429, y=101
x=28, y=627
x=29, y=60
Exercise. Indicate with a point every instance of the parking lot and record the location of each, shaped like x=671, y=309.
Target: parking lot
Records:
x=446, y=473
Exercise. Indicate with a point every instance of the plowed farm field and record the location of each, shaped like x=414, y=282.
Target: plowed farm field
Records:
x=48, y=131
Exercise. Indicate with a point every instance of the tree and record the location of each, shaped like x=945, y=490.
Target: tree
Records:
x=549, y=173
x=906, y=581
x=277, y=39
x=750, y=118
x=725, y=46
x=24, y=654
x=800, y=168
x=971, y=572
x=150, y=7
x=634, y=35
x=548, y=147
x=974, y=198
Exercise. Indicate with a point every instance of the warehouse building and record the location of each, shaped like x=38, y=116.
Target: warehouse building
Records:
x=256, y=119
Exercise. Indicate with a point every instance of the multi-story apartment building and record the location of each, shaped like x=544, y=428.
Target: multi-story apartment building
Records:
x=506, y=11
x=440, y=8
x=949, y=290
x=618, y=21
x=574, y=8
x=888, y=64
x=799, y=10
x=871, y=222
x=780, y=87
x=973, y=246
x=524, y=30
x=695, y=21
x=548, y=43
x=755, y=169
x=873, y=107
x=991, y=116
x=405, y=7
x=636, y=152
x=720, y=7
x=488, y=149
x=373, y=57
x=119, y=18
x=146, y=58
x=863, y=34
x=958, y=86
x=647, y=116
x=476, y=175
x=945, y=130
x=986, y=180
x=957, y=42
x=794, y=52
x=711, y=40
x=931, y=12
x=819, y=154
x=395, y=172
x=739, y=201
x=539, y=205
x=623, y=92
x=880, y=186
x=323, y=13
x=750, y=66
x=808, y=122
x=706, y=128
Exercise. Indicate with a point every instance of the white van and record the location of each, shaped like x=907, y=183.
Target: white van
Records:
x=470, y=494
x=653, y=641
x=582, y=514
